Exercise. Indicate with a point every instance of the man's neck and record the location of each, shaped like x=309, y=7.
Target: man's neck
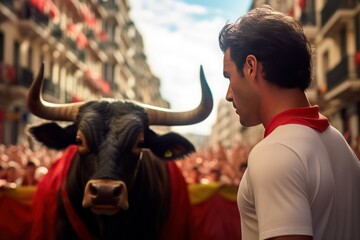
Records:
x=279, y=100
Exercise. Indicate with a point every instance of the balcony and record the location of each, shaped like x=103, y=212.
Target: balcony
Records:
x=56, y=32
x=109, y=46
x=33, y=22
x=7, y=10
x=15, y=75
x=332, y=6
x=29, y=11
x=14, y=82
x=24, y=77
x=9, y=4
x=343, y=80
x=74, y=52
x=338, y=74
x=308, y=18
x=51, y=89
x=110, y=6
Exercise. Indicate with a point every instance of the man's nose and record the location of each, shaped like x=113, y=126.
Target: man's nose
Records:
x=229, y=95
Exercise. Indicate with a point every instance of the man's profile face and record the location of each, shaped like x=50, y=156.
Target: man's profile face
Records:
x=240, y=93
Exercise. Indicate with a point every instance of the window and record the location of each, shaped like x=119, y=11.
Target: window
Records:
x=357, y=32
x=1, y=46
x=343, y=42
x=29, y=57
x=16, y=54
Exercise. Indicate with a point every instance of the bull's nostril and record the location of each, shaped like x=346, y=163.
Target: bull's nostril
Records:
x=117, y=191
x=93, y=190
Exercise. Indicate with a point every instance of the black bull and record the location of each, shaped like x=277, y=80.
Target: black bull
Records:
x=117, y=182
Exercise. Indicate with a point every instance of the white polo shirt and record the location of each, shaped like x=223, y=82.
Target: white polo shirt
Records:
x=301, y=182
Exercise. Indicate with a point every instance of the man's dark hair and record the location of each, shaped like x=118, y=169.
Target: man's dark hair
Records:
x=276, y=40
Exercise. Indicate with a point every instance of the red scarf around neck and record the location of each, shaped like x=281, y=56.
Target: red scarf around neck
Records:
x=307, y=116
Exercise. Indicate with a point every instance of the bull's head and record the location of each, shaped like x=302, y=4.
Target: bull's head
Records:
x=111, y=136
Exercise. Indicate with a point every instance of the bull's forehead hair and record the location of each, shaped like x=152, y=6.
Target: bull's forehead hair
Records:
x=112, y=108
x=98, y=119
x=125, y=130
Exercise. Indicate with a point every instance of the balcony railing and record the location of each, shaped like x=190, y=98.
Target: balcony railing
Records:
x=51, y=89
x=332, y=6
x=109, y=46
x=29, y=11
x=8, y=3
x=308, y=18
x=57, y=32
x=338, y=74
x=24, y=76
x=109, y=5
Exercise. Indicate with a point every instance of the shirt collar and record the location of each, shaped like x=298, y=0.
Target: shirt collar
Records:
x=307, y=116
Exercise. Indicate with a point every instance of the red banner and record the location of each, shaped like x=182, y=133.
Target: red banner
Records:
x=214, y=209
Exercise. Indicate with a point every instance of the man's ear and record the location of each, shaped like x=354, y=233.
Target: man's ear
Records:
x=251, y=65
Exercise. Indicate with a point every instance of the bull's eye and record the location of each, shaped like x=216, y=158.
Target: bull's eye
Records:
x=81, y=143
x=141, y=144
x=78, y=141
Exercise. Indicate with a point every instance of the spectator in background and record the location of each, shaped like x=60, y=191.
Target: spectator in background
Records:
x=194, y=175
x=214, y=175
x=29, y=174
x=13, y=173
x=2, y=174
x=40, y=172
x=2, y=171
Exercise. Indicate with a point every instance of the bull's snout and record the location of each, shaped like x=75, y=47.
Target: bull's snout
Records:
x=105, y=196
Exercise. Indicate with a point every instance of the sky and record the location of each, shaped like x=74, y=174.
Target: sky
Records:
x=179, y=36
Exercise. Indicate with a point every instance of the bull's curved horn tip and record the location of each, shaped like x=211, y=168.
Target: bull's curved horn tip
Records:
x=40, y=74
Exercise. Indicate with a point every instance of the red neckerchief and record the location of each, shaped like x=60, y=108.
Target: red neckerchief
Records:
x=307, y=116
x=78, y=225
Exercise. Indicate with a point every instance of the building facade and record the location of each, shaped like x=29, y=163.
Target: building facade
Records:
x=90, y=48
x=338, y=64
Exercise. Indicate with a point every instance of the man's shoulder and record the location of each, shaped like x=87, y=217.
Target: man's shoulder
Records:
x=298, y=138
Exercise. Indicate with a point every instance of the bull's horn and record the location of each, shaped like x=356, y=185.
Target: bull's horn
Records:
x=163, y=116
x=46, y=110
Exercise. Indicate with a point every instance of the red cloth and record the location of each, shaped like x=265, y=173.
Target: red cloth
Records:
x=180, y=225
x=218, y=217
x=44, y=200
x=308, y=116
x=15, y=219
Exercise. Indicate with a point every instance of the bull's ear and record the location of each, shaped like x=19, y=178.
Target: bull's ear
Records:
x=170, y=146
x=54, y=136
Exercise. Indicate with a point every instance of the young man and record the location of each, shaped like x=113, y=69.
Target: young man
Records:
x=303, y=179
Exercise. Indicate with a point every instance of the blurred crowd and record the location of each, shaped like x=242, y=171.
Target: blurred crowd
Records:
x=226, y=166
x=23, y=165
x=217, y=164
